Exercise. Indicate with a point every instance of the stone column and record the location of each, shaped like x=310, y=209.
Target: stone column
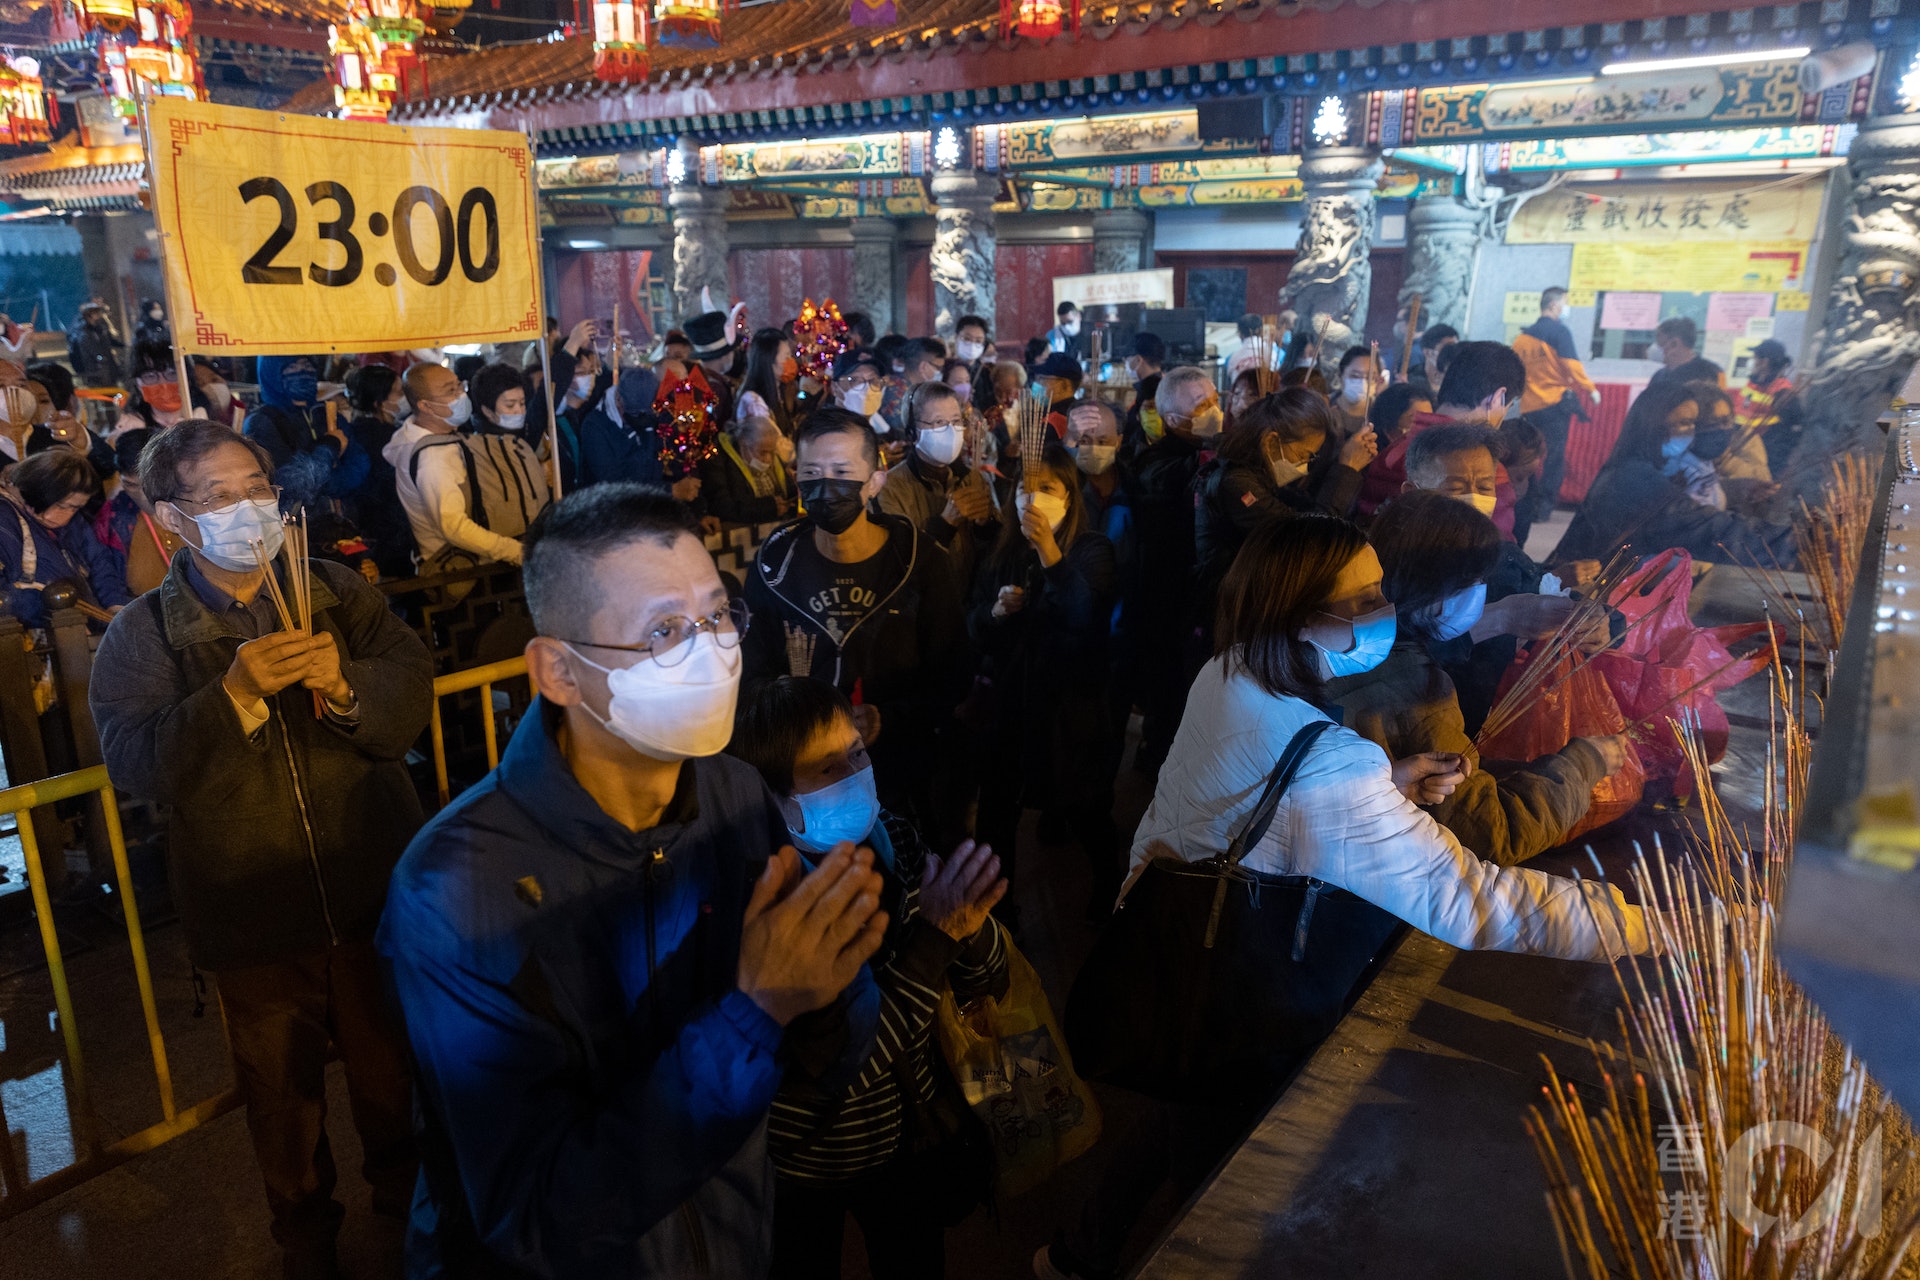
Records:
x=1865, y=350
x=1328, y=282
x=1120, y=239
x=1443, y=240
x=699, y=246
x=962, y=259
x=876, y=247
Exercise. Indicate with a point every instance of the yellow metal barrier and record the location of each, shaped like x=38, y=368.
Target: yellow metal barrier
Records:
x=483, y=679
x=94, y=1156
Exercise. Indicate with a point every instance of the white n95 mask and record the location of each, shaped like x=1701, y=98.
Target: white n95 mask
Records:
x=680, y=712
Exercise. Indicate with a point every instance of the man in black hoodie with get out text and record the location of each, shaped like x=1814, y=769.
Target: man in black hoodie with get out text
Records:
x=862, y=601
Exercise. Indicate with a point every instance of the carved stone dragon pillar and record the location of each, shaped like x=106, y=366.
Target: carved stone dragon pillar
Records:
x=1872, y=332
x=1328, y=282
x=1120, y=239
x=875, y=246
x=699, y=247
x=961, y=262
x=1443, y=240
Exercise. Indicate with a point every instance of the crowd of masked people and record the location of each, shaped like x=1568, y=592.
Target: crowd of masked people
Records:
x=657, y=995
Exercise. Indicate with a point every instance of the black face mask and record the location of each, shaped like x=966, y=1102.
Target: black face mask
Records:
x=833, y=505
x=1711, y=442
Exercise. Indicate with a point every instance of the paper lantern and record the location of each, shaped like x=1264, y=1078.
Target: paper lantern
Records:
x=110, y=16
x=689, y=24
x=23, y=102
x=1039, y=19
x=373, y=57
x=819, y=336
x=444, y=15
x=620, y=41
x=154, y=56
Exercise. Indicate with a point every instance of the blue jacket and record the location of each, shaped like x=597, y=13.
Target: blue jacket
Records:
x=594, y=1087
x=611, y=450
x=71, y=552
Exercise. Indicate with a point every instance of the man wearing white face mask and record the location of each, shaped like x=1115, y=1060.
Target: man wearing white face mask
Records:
x=1065, y=334
x=441, y=486
x=280, y=756
x=970, y=337
x=607, y=953
x=1483, y=380
x=943, y=497
x=1435, y=555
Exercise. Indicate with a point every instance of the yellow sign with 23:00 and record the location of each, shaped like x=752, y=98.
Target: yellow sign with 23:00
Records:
x=287, y=234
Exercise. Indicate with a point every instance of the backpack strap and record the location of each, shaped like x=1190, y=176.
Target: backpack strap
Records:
x=476, y=509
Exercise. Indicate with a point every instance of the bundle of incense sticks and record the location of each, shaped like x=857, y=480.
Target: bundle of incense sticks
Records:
x=294, y=601
x=1266, y=361
x=1031, y=413
x=1830, y=538
x=1680, y=1174
x=1555, y=660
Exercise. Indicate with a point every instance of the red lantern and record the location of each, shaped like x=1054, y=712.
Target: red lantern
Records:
x=1039, y=19
x=620, y=41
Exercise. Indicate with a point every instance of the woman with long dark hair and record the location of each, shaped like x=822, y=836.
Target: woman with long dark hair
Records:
x=771, y=374
x=1041, y=617
x=1642, y=498
x=1264, y=471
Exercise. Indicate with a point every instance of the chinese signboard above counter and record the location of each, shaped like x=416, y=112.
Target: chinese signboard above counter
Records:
x=1645, y=213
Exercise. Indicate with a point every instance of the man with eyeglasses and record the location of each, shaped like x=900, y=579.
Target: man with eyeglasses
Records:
x=281, y=756
x=860, y=387
x=605, y=951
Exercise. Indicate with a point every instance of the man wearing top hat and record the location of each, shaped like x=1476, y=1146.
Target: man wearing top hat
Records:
x=714, y=349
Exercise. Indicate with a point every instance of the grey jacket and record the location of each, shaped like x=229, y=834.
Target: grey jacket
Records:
x=282, y=843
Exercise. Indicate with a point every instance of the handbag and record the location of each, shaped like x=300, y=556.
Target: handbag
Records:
x=1213, y=982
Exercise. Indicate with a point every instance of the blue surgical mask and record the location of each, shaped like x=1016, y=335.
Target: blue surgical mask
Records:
x=1372, y=640
x=1458, y=612
x=844, y=810
x=1676, y=446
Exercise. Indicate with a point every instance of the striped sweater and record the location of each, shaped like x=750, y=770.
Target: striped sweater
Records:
x=819, y=1137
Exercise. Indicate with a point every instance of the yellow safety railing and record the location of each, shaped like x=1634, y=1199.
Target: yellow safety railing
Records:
x=94, y=1155
x=483, y=679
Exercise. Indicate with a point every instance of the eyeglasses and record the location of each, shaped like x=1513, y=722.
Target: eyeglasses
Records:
x=222, y=503
x=667, y=644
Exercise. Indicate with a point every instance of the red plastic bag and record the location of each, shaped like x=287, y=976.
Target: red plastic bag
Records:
x=1577, y=705
x=1666, y=666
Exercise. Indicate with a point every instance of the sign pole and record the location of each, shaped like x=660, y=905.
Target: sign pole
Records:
x=540, y=315
x=166, y=276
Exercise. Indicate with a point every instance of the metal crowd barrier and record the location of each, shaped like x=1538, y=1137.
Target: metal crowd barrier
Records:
x=94, y=1155
x=483, y=679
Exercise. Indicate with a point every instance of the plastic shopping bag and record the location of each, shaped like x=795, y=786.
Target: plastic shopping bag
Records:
x=1013, y=1067
x=1666, y=667
x=1573, y=704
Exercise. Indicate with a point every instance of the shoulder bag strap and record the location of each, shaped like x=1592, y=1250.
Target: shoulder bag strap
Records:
x=1277, y=783
x=1261, y=818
